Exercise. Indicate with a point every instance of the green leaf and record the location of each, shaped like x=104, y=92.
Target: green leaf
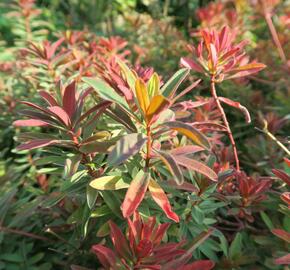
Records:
x=112, y=201
x=172, y=166
x=106, y=91
x=169, y=89
x=110, y=182
x=130, y=77
x=126, y=147
x=92, y=195
x=236, y=246
x=98, y=146
x=267, y=220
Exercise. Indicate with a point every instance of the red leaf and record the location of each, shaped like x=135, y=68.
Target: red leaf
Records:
x=282, y=234
x=30, y=123
x=282, y=175
x=69, y=99
x=119, y=241
x=196, y=166
x=60, y=114
x=283, y=260
x=199, y=265
x=105, y=255
x=287, y=161
x=161, y=199
x=135, y=193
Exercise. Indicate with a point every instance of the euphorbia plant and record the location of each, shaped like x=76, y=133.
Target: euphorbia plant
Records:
x=220, y=59
x=142, y=248
x=151, y=125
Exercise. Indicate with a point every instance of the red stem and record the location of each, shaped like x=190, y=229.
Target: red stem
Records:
x=275, y=36
x=226, y=123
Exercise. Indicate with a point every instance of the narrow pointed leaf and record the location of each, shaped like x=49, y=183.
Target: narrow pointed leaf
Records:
x=109, y=182
x=135, y=193
x=161, y=199
x=37, y=144
x=153, y=85
x=197, y=167
x=169, y=89
x=106, y=92
x=61, y=114
x=157, y=105
x=69, y=99
x=190, y=132
x=172, y=166
x=30, y=123
x=126, y=147
x=142, y=95
x=105, y=255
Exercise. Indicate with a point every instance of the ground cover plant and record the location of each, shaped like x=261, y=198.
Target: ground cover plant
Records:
x=144, y=135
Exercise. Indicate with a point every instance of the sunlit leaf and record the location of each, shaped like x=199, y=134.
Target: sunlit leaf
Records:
x=153, y=85
x=196, y=166
x=135, y=193
x=126, y=147
x=161, y=199
x=109, y=182
x=157, y=105
x=190, y=132
x=172, y=166
x=169, y=89
x=142, y=95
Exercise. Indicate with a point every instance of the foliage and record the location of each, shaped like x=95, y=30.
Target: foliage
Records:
x=117, y=152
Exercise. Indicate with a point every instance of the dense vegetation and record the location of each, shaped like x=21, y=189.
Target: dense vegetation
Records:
x=144, y=134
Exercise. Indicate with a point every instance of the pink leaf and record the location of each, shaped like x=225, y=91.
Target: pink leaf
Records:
x=196, y=166
x=48, y=98
x=189, y=63
x=283, y=260
x=30, y=123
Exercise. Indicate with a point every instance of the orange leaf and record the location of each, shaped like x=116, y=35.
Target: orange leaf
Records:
x=161, y=199
x=157, y=105
x=142, y=95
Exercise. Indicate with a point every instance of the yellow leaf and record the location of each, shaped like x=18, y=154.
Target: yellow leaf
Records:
x=110, y=182
x=153, y=85
x=142, y=95
x=157, y=105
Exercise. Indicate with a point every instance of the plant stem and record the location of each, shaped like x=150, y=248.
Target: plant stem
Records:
x=272, y=137
x=226, y=123
x=23, y=233
x=275, y=37
x=147, y=165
